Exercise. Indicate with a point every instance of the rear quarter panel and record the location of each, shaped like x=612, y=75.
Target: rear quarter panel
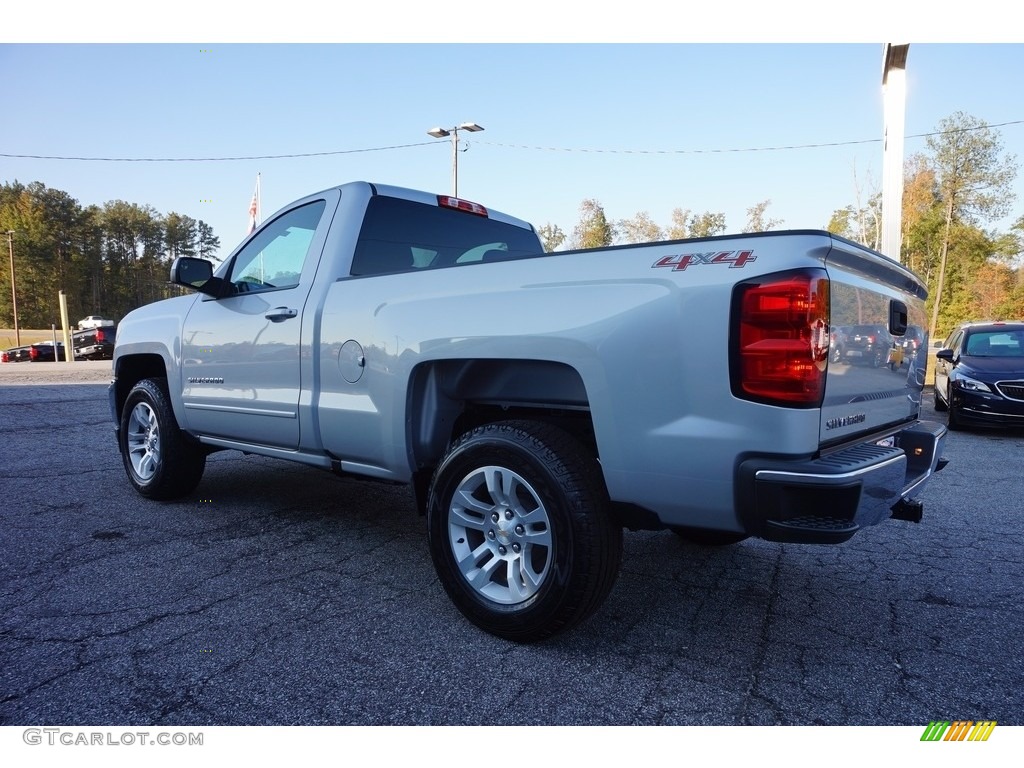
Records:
x=650, y=343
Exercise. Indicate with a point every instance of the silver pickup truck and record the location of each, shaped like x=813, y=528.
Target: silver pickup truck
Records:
x=537, y=403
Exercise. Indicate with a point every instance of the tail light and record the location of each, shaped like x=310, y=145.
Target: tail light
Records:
x=33, y=353
x=99, y=336
x=780, y=339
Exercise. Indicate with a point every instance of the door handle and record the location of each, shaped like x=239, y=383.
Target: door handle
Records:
x=280, y=314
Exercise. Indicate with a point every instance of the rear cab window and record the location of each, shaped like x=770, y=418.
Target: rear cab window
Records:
x=401, y=236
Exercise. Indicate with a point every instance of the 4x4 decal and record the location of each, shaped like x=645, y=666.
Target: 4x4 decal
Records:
x=735, y=259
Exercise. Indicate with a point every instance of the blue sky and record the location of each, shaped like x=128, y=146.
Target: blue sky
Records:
x=639, y=127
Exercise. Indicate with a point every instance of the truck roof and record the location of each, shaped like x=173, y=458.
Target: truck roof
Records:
x=427, y=198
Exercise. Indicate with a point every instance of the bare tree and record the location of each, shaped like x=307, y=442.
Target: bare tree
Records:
x=756, y=221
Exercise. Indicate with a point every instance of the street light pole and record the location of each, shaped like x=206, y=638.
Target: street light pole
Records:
x=14, y=289
x=441, y=133
x=894, y=90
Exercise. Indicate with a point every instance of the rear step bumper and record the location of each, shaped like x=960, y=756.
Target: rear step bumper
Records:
x=828, y=499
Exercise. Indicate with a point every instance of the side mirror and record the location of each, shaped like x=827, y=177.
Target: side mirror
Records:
x=945, y=354
x=196, y=274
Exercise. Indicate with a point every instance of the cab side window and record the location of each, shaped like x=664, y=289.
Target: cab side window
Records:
x=275, y=257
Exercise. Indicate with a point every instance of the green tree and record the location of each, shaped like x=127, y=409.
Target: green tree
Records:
x=47, y=249
x=93, y=291
x=684, y=223
x=207, y=243
x=133, y=253
x=707, y=224
x=179, y=235
x=639, y=229
x=551, y=236
x=973, y=178
x=679, y=225
x=593, y=229
x=107, y=259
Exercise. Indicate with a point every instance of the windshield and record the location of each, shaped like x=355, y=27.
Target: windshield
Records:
x=995, y=344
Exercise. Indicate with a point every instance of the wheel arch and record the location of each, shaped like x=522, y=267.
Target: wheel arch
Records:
x=129, y=370
x=449, y=397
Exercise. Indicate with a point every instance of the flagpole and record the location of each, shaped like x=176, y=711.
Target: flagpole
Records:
x=259, y=202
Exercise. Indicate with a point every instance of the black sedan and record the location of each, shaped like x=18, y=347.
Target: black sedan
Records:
x=979, y=375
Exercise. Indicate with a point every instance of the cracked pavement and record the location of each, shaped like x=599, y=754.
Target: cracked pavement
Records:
x=278, y=594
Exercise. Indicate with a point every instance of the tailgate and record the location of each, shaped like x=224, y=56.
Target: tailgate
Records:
x=873, y=380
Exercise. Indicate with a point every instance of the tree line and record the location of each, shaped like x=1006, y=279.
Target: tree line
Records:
x=951, y=192
x=107, y=259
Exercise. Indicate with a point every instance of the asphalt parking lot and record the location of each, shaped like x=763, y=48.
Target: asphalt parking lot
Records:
x=278, y=594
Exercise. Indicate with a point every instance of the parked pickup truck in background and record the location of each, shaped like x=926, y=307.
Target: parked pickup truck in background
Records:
x=95, y=343
x=537, y=403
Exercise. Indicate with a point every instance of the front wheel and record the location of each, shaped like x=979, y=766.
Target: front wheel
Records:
x=952, y=419
x=521, y=532
x=162, y=462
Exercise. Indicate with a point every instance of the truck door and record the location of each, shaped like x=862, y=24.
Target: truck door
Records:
x=241, y=375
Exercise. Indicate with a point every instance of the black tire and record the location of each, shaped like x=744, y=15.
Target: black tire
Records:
x=707, y=537
x=940, y=404
x=953, y=421
x=162, y=462
x=543, y=550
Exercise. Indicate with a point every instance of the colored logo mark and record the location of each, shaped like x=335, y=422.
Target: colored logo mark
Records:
x=958, y=730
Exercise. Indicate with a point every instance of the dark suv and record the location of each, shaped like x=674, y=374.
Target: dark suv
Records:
x=868, y=344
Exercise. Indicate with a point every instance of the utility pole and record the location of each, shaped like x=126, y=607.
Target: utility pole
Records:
x=14, y=289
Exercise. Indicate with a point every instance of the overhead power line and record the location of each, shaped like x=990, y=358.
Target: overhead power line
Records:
x=215, y=159
x=496, y=144
x=746, y=149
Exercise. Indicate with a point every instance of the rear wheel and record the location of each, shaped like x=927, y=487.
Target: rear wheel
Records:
x=520, y=530
x=940, y=404
x=162, y=462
